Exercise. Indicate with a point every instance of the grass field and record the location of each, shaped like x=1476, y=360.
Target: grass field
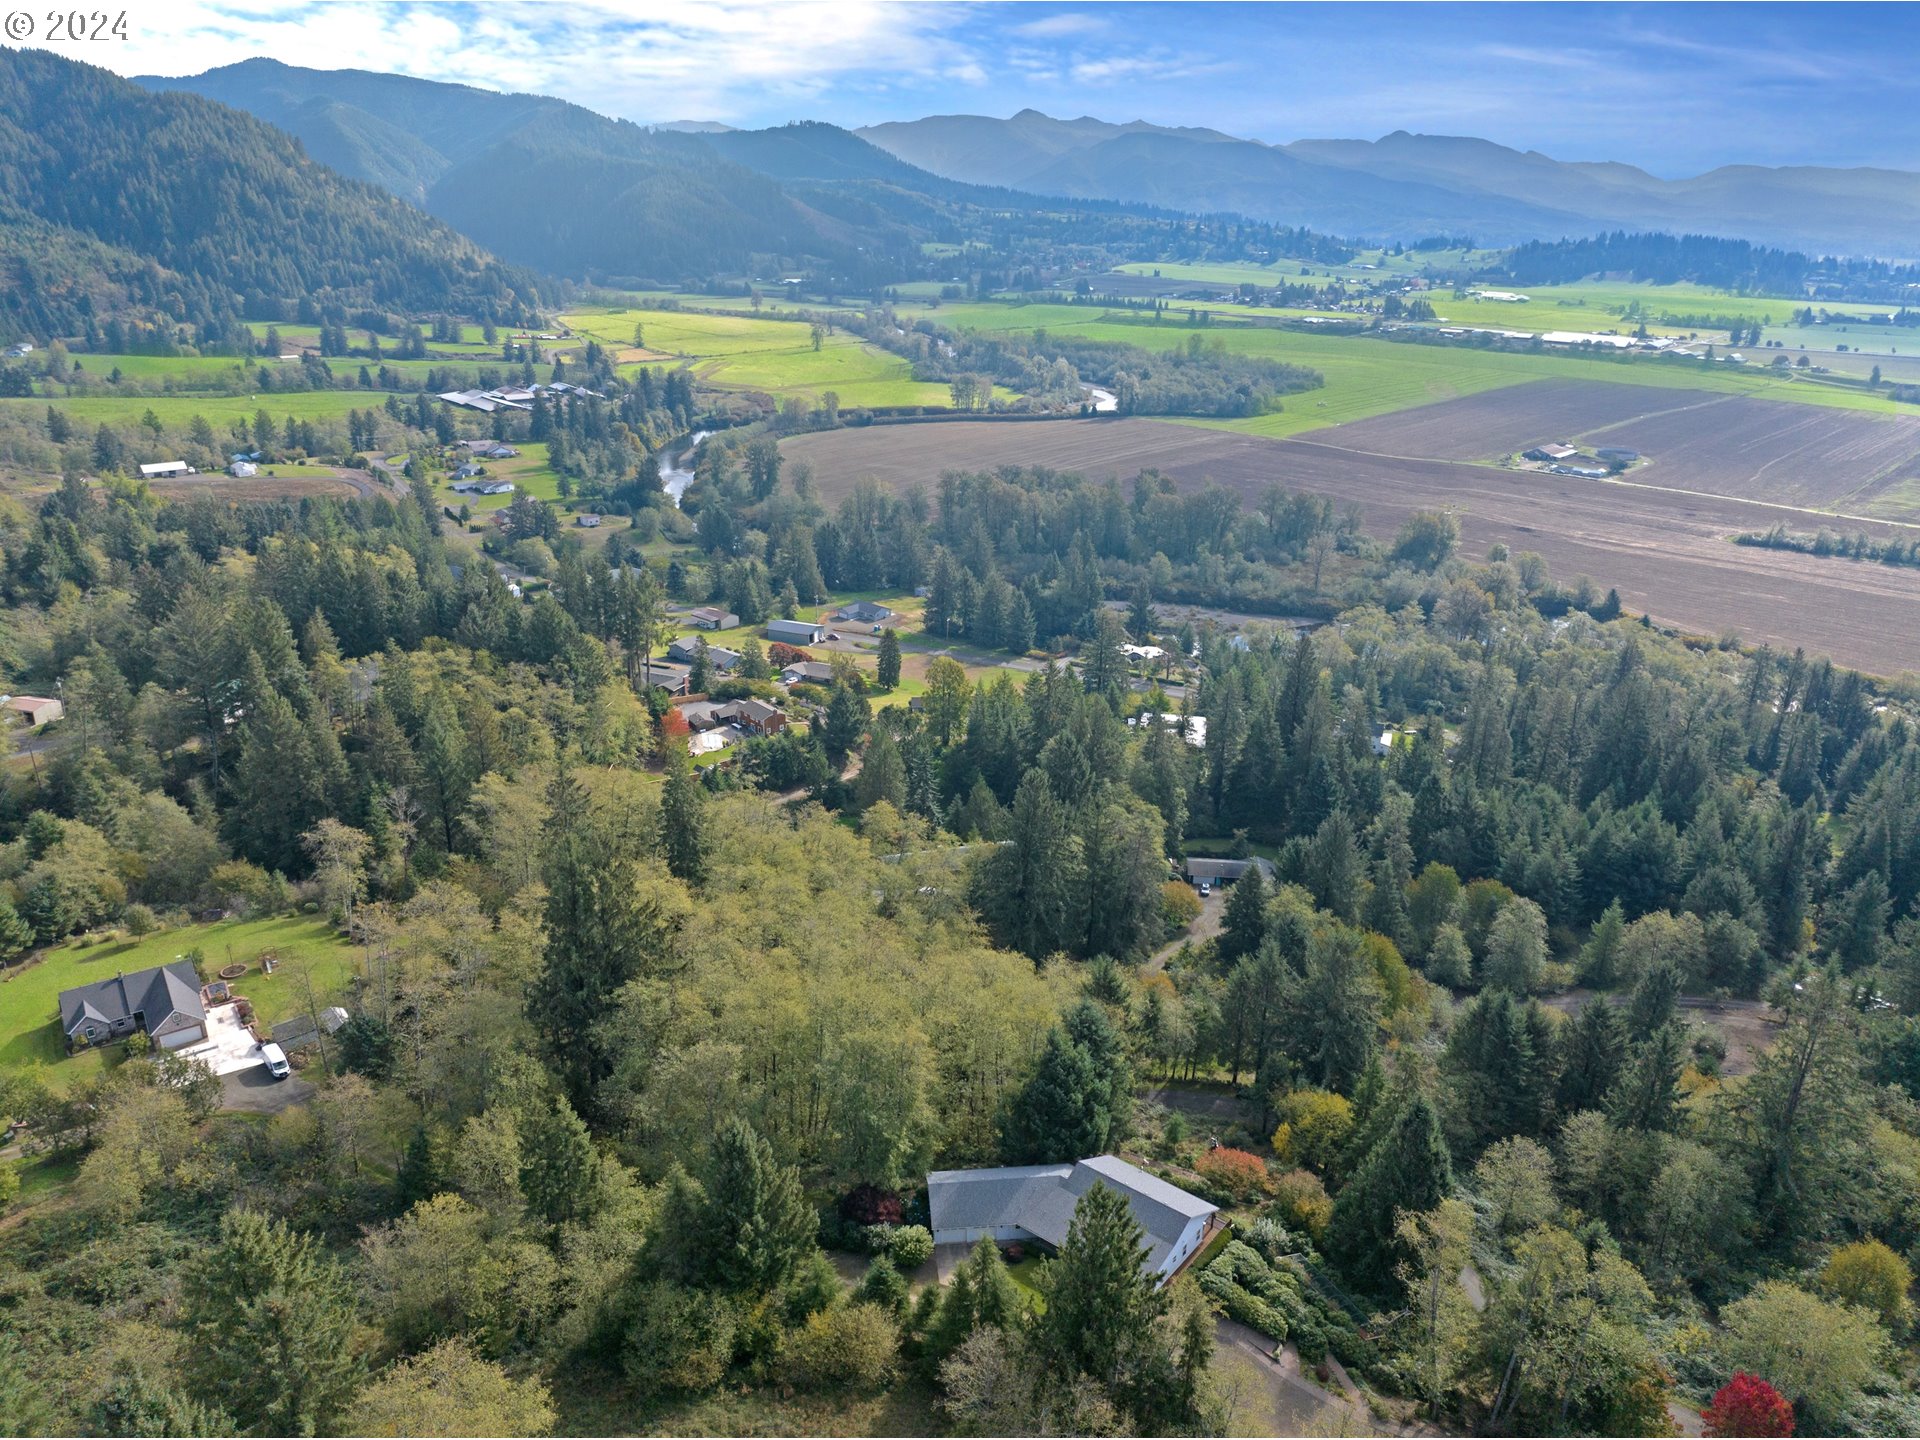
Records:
x=776, y=356
x=178, y=410
x=1367, y=377
x=29, y=997
x=528, y=470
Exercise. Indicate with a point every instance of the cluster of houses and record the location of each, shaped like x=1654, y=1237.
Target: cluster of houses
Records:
x=19, y=350
x=518, y=397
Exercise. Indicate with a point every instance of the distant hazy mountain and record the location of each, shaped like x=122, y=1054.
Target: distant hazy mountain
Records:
x=542, y=181
x=1405, y=183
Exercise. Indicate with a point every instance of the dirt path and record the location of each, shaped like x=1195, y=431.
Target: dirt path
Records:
x=1213, y=912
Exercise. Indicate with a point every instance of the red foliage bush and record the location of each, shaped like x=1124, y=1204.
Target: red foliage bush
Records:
x=780, y=655
x=1748, y=1405
x=870, y=1205
x=1239, y=1173
x=674, y=724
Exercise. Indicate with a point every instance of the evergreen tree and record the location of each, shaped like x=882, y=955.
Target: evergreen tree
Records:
x=273, y=1321
x=559, y=1167
x=1077, y=1101
x=1334, y=870
x=1407, y=1170
x=981, y=1294
x=1100, y=1303
x=1600, y=956
x=1244, y=925
x=1647, y=1094
x=887, y=671
x=847, y=716
x=1025, y=889
x=883, y=773
x=1592, y=1048
x=756, y=1226
x=684, y=841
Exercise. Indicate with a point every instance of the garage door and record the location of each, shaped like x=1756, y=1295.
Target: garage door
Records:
x=192, y=1035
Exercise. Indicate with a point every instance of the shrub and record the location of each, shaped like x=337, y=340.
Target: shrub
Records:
x=1314, y=1124
x=1179, y=906
x=1301, y=1202
x=681, y=1339
x=847, y=1347
x=884, y=1286
x=140, y=919
x=1870, y=1275
x=910, y=1248
x=1236, y=1173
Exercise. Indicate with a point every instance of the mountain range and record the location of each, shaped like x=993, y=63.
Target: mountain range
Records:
x=1405, y=185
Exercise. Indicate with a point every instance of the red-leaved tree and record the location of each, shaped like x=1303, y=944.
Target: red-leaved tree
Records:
x=1238, y=1173
x=1748, y=1406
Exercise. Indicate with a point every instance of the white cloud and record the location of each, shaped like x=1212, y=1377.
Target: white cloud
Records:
x=1062, y=26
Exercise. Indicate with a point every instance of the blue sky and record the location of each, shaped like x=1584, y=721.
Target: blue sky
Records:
x=1673, y=88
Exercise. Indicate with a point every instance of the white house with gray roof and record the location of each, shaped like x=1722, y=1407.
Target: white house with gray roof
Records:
x=1029, y=1203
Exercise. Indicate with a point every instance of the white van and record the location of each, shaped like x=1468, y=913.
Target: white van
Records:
x=276, y=1059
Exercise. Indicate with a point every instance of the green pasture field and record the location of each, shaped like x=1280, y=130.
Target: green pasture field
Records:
x=30, y=995
x=179, y=410
x=1367, y=377
x=775, y=356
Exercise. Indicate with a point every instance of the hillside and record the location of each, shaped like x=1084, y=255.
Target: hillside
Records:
x=547, y=183
x=1403, y=184
x=197, y=214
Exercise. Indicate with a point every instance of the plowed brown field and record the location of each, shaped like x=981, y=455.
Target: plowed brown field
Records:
x=1669, y=553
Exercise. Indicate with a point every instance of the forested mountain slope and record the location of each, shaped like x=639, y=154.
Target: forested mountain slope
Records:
x=207, y=214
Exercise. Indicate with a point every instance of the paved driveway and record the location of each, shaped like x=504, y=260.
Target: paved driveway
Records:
x=229, y=1045
x=259, y=1092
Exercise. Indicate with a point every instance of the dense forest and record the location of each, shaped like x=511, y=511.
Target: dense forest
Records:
x=636, y=1048
x=184, y=211
x=1735, y=265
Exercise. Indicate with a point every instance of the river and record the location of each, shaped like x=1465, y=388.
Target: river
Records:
x=676, y=466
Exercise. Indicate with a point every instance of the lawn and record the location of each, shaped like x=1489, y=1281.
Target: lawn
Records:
x=30, y=997
x=1025, y=1276
x=528, y=470
x=734, y=352
x=178, y=410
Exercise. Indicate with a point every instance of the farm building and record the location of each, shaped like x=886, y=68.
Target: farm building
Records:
x=1035, y=1204
x=162, y=469
x=1549, y=452
x=587, y=522
x=164, y=1001
x=1219, y=871
x=711, y=617
x=37, y=709
x=243, y=469
x=864, y=612
x=795, y=632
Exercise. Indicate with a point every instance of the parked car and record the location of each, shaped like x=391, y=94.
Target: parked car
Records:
x=276, y=1059
x=1205, y=889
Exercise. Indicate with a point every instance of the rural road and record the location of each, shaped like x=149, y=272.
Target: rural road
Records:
x=1213, y=912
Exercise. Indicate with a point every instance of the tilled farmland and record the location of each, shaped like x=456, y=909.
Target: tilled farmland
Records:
x=1670, y=554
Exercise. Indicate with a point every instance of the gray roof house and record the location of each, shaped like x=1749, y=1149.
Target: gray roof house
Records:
x=1037, y=1202
x=866, y=612
x=1205, y=867
x=687, y=646
x=164, y=1001
x=807, y=672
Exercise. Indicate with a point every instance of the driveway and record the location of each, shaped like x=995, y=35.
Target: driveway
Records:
x=1289, y=1401
x=229, y=1046
x=1213, y=913
x=259, y=1092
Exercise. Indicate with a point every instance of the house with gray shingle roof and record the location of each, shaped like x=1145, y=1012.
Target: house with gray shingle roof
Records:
x=1036, y=1203
x=164, y=1001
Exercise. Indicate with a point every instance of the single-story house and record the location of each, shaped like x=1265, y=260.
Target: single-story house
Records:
x=687, y=646
x=246, y=455
x=1036, y=1203
x=1548, y=452
x=668, y=677
x=491, y=449
x=16, y=351
x=1151, y=654
x=164, y=1001
x=1191, y=728
x=164, y=468
x=587, y=522
x=705, y=714
x=1220, y=871
x=467, y=472
x=494, y=487
x=242, y=469
x=1383, y=741
x=38, y=710
x=712, y=617
x=807, y=672
x=795, y=632
x=865, y=612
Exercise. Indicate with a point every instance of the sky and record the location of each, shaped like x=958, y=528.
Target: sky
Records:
x=1675, y=89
